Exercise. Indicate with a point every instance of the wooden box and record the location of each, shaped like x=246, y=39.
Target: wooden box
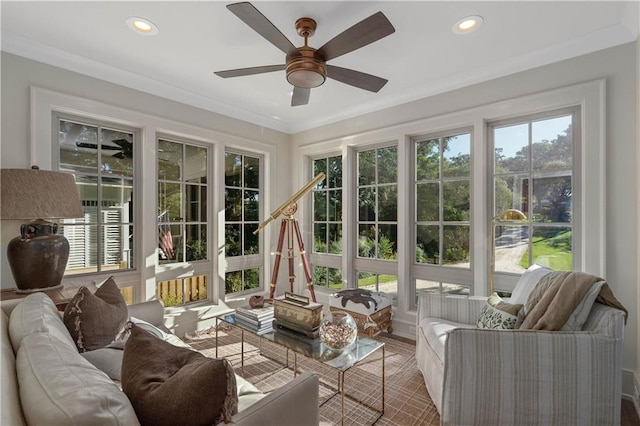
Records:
x=306, y=316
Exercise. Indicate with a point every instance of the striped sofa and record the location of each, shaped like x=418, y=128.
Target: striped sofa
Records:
x=518, y=377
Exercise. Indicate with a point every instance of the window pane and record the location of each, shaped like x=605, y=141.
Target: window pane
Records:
x=251, y=205
x=428, y=202
x=233, y=282
x=367, y=204
x=195, y=164
x=320, y=166
x=117, y=152
x=379, y=282
x=388, y=203
x=170, y=200
x=511, y=148
x=366, y=168
x=335, y=172
x=169, y=160
x=194, y=208
x=456, y=201
x=552, y=247
x=552, y=147
x=387, y=242
x=552, y=199
x=510, y=247
x=320, y=238
x=251, y=278
x=112, y=243
x=428, y=244
x=456, y=246
x=233, y=205
x=335, y=238
x=196, y=244
x=83, y=243
x=232, y=240
x=511, y=192
x=367, y=241
x=426, y=285
x=320, y=276
x=251, y=241
x=251, y=172
x=320, y=205
x=388, y=164
x=456, y=155
x=232, y=169
x=335, y=205
x=428, y=160
x=78, y=146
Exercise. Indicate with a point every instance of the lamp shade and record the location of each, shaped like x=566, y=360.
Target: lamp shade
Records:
x=38, y=194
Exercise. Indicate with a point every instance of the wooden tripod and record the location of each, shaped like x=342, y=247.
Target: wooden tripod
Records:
x=289, y=228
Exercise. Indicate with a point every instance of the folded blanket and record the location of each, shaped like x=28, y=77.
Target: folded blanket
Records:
x=557, y=295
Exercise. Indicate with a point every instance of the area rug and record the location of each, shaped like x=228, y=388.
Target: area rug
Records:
x=406, y=399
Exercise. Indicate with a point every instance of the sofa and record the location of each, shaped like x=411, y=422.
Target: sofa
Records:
x=519, y=377
x=45, y=380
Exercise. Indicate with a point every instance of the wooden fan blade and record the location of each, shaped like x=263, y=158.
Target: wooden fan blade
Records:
x=364, y=32
x=260, y=24
x=356, y=78
x=249, y=71
x=300, y=96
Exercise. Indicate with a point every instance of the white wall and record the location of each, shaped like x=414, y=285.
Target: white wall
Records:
x=619, y=66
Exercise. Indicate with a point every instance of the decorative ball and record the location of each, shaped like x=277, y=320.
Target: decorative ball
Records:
x=256, y=301
x=338, y=331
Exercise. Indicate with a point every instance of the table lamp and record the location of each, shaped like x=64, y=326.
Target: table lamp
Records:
x=510, y=215
x=38, y=257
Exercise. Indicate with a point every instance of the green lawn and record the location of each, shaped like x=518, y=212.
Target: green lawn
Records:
x=554, y=252
x=371, y=281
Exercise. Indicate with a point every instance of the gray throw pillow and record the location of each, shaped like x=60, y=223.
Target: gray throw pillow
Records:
x=94, y=320
x=170, y=385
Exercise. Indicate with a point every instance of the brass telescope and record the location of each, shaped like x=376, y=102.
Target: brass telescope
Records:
x=295, y=197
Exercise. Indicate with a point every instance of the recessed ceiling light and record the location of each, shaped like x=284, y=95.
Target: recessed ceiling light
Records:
x=142, y=26
x=467, y=24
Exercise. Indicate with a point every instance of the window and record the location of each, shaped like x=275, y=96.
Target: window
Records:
x=533, y=172
x=442, y=192
x=380, y=282
x=243, y=188
x=327, y=206
x=183, y=185
x=377, y=203
x=324, y=276
x=101, y=156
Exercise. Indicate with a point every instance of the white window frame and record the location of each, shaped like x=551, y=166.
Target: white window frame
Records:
x=243, y=262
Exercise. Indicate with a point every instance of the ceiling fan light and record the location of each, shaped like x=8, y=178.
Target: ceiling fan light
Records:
x=305, y=78
x=306, y=72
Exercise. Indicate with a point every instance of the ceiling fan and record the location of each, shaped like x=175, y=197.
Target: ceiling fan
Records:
x=305, y=66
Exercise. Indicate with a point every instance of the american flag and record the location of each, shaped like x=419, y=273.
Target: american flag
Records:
x=165, y=240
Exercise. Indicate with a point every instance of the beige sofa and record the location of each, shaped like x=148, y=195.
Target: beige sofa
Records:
x=46, y=381
x=518, y=377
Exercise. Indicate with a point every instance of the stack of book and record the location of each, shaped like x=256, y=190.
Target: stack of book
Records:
x=260, y=320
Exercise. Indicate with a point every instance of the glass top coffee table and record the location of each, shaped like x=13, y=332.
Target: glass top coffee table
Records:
x=314, y=349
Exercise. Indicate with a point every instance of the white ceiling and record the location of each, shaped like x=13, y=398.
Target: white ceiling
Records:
x=423, y=57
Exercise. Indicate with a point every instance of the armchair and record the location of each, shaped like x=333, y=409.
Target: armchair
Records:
x=517, y=377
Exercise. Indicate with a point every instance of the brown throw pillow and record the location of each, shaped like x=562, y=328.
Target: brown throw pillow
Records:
x=93, y=320
x=169, y=385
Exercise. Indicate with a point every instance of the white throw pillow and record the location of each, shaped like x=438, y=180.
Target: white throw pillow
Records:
x=527, y=283
x=107, y=360
x=498, y=314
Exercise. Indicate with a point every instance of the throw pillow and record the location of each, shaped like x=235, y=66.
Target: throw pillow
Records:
x=527, y=283
x=93, y=320
x=167, y=384
x=498, y=314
